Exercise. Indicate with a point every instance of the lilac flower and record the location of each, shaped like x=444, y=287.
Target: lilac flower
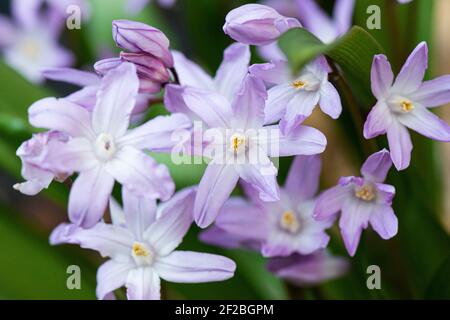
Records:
x=241, y=146
x=362, y=201
x=309, y=270
x=293, y=99
x=29, y=43
x=149, y=52
x=140, y=244
x=56, y=9
x=102, y=150
x=320, y=24
x=257, y=24
x=231, y=73
x=34, y=154
x=278, y=228
x=90, y=83
x=136, y=6
x=403, y=104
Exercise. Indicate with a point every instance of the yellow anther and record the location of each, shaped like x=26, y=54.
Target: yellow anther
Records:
x=139, y=250
x=289, y=221
x=407, y=105
x=298, y=84
x=237, y=141
x=366, y=193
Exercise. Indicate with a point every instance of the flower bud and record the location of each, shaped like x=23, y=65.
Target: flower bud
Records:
x=138, y=37
x=257, y=24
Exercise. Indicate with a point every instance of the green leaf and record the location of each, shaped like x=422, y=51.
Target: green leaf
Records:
x=353, y=52
x=439, y=286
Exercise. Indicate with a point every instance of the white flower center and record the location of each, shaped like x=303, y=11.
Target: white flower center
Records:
x=400, y=104
x=367, y=192
x=306, y=81
x=289, y=221
x=142, y=254
x=105, y=147
x=238, y=143
x=30, y=48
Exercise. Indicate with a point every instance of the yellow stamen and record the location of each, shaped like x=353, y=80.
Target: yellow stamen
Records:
x=289, y=221
x=365, y=193
x=139, y=250
x=298, y=84
x=236, y=142
x=407, y=105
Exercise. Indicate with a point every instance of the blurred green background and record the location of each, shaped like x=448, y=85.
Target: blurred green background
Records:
x=415, y=264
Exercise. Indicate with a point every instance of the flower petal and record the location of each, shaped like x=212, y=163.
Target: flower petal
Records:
x=89, y=196
x=214, y=109
x=116, y=100
x=400, y=145
x=330, y=202
x=157, y=134
x=233, y=69
x=167, y=232
x=141, y=174
x=215, y=187
x=384, y=222
x=382, y=76
x=377, y=166
x=433, y=93
x=61, y=115
x=140, y=212
x=194, y=267
x=354, y=218
x=117, y=213
x=298, y=109
x=343, y=15
x=277, y=100
x=330, y=101
x=316, y=20
x=249, y=103
x=275, y=72
x=426, y=123
x=191, y=74
x=263, y=177
x=411, y=76
x=143, y=284
x=378, y=120
x=303, y=178
x=111, y=275
x=72, y=76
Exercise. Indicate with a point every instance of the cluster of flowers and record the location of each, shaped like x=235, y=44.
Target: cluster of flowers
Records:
x=89, y=135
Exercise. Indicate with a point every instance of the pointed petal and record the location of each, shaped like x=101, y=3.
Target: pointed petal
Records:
x=354, y=218
x=89, y=196
x=384, y=222
x=156, y=134
x=191, y=74
x=263, y=177
x=72, y=76
x=381, y=76
x=61, y=115
x=140, y=212
x=233, y=69
x=116, y=100
x=277, y=101
x=141, y=174
x=111, y=276
x=316, y=20
x=303, y=140
x=167, y=232
x=433, y=93
x=117, y=213
x=377, y=166
x=330, y=202
x=249, y=103
x=330, y=101
x=275, y=72
x=378, y=120
x=385, y=193
x=426, y=123
x=343, y=15
x=194, y=267
x=411, y=76
x=400, y=145
x=298, y=109
x=303, y=178
x=213, y=108
x=215, y=187
x=143, y=284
